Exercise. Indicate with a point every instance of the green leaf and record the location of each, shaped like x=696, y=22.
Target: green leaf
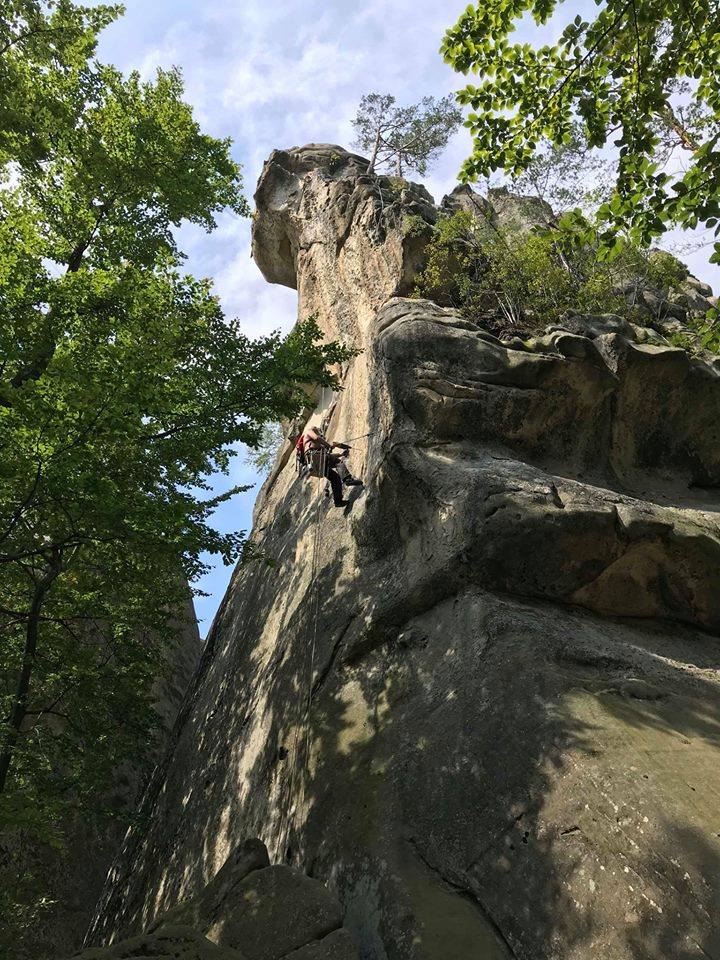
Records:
x=538, y=93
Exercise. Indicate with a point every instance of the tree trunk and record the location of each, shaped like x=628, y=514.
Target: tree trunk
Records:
x=19, y=708
x=35, y=369
x=687, y=141
x=373, y=158
x=398, y=165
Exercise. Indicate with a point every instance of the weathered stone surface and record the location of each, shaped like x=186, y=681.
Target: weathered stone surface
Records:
x=464, y=198
x=248, y=911
x=519, y=213
x=174, y=943
x=218, y=898
x=274, y=911
x=481, y=703
x=337, y=945
x=502, y=210
x=691, y=298
x=303, y=232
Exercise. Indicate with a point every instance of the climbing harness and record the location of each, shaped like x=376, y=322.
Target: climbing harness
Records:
x=313, y=462
x=317, y=460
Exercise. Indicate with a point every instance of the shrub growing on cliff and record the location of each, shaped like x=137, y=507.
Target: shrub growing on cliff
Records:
x=122, y=388
x=518, y=282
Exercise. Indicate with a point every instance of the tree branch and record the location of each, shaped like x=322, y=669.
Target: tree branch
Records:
x=20, y=509
x=687, y=141
x=35, y=369
x=20, y=703
x=31, y=33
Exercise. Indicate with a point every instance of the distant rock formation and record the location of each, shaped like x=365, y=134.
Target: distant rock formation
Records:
x=481, y=703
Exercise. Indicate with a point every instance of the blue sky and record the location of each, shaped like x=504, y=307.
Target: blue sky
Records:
x=281, y=74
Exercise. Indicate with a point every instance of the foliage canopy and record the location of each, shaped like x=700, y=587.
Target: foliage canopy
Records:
x=642, y=75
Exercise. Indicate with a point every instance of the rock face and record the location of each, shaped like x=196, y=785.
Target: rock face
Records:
x=481, y=702
x=249, y=911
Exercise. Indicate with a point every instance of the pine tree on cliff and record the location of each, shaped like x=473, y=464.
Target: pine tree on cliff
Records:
x=406, y=138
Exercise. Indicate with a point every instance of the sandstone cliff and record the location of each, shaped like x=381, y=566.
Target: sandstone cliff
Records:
x=481, y=703
x=249, y=911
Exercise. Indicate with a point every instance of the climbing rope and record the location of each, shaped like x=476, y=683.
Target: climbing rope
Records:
x=304, y=718
x=303, y=723
x=311, y=668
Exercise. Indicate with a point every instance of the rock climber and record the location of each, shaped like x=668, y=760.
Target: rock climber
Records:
x=315, y=451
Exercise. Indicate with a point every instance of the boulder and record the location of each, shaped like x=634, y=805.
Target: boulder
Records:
x=693, y=296
x=337, y=945
x=218, y=898
x=500, y=210
x=275, y=911
x=249, y=911
x=463, y=198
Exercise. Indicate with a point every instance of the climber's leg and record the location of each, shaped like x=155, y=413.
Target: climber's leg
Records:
x=336, y=485
x=335, y=482
x=347, y=478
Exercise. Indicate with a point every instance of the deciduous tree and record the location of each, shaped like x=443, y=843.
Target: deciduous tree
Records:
x=641, y=75
x=123, y=388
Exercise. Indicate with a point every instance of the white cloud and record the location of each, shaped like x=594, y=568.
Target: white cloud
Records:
x=260, y=79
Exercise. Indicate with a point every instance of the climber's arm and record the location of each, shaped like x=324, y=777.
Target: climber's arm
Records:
x=315, y=437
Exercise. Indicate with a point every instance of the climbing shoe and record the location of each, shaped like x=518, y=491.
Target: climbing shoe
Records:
x=352, y=482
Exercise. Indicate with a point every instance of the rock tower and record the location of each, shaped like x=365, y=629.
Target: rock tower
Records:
x=481, y=703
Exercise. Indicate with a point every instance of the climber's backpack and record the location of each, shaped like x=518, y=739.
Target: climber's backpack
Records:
x=309, y=463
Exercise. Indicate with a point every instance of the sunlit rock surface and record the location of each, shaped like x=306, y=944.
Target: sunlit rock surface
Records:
x=249, y=911
x=481, y=704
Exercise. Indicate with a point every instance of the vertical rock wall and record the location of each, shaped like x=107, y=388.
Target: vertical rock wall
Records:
x=481, y=703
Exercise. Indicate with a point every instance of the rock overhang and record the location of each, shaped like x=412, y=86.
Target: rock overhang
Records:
x=277, y=198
